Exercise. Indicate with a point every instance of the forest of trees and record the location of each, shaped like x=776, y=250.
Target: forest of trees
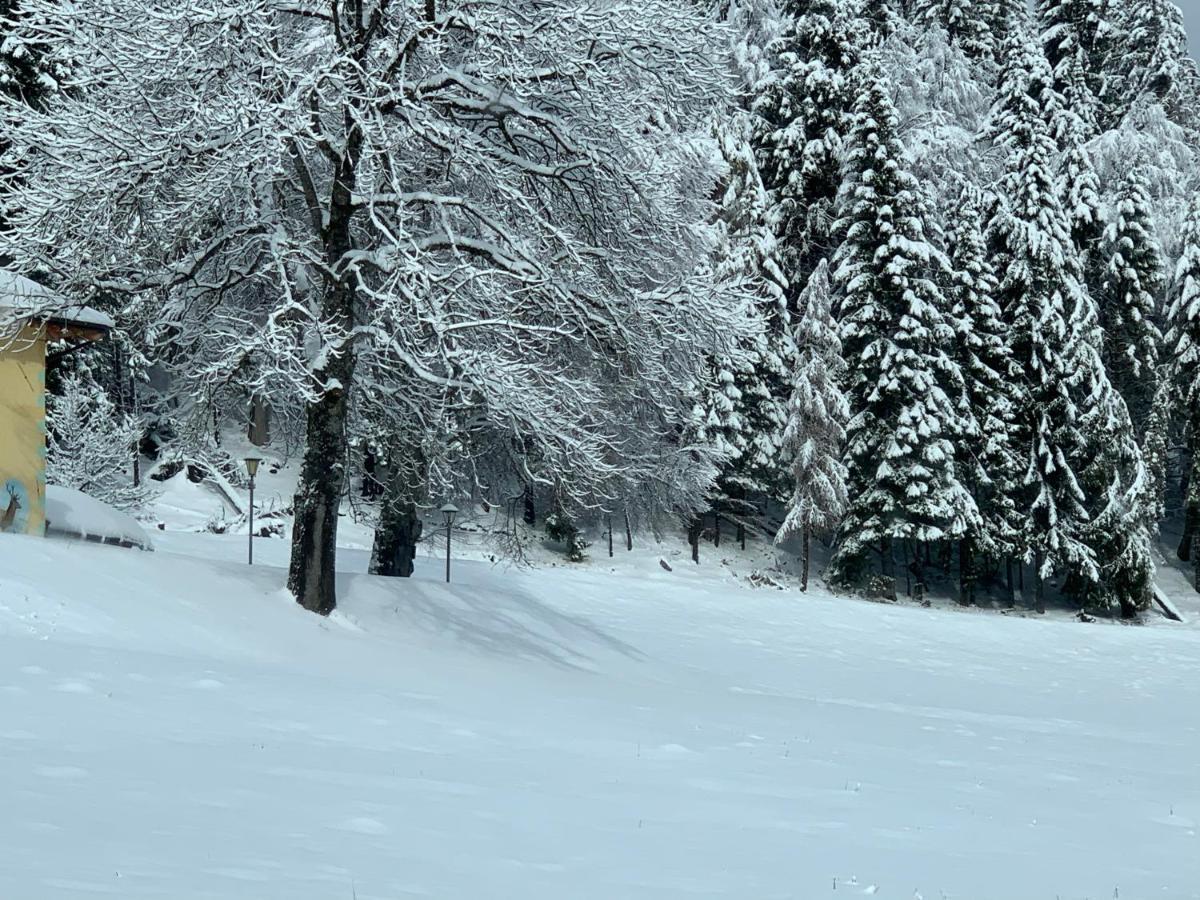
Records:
x=918, y=278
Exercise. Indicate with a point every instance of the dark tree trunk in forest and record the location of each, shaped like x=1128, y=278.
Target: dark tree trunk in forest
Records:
x=695, y=531
x=921, y=561
x=1039, y=584
x=1189, y=531
x=966, y=573
x=806, y=546
x=530, y=511
x=1196, y=559
x=887, y=564
x=1008, y=577
x=1191, y=502
x=628, y=533
x=717, y=528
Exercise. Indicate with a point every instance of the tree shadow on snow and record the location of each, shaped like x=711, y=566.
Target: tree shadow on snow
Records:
x=512, y=624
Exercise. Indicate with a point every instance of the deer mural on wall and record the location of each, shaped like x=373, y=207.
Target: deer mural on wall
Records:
x=9, y=517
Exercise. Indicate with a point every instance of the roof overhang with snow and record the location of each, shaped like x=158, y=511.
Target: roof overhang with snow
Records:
x=23, y=300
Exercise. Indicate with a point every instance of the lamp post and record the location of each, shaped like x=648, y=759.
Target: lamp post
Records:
x=252, y=470
x=448, y=513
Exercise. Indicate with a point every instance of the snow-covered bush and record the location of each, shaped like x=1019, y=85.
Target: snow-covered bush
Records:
x=92, y=444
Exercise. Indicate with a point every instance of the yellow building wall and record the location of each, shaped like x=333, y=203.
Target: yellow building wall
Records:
x=23, y=432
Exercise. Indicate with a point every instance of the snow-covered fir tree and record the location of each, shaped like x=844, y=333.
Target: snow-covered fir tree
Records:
x=740, y=410
x=943, y=98
x=1005, y=19
x=990, y=463
x=817, y=417
x=742, y=413
x=27, y=71
x=1040, y=288
x=965, y=21
x=1151, y=58
x=1129, y=300
x=1081, y=190
x=903, y=481
x=1084, y=479
x=1183, y=343
x=1183, y=310
x=1074, y=35
x=801, y=120
x=91, y=444
x=882, y=17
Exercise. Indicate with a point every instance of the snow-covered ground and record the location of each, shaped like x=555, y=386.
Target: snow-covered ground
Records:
x=172, y=725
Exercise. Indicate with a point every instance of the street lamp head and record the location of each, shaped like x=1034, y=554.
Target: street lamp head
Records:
x=449, y=511
x=252, y=465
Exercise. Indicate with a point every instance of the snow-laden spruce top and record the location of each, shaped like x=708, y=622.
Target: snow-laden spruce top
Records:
x=28, y=299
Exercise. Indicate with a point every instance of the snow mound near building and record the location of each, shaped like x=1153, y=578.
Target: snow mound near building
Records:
x=73, y=514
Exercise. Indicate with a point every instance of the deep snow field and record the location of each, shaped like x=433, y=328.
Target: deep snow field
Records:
x=173, y=726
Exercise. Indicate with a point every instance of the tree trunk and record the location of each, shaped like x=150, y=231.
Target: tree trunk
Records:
x=610, y=538
x=395, y=548
x=907, y=572
x=920, y=562
x=1012, y=591
x=1191, y=518
x=323, y=470
x=1196, y=559
x=1191, y=498
x=259, y=430
x=805, y=542
x=628, y=533
x=530, y=512
x=966, y=573
x=741, y=534
x=1039, y=586
x=137, y=443
x=716, y=528
x=318, y=497
x=887, y=563
x=694, y=534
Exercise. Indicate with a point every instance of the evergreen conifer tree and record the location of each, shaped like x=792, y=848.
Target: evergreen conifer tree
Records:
x=903, y=482
x=991, y=467
x=1151, y=58
x=802, y=117
x=1084, y=476
x=1029, y=234
x=965, y=21
x=743, y=413
x=1129, y=300
x=817, y=416
x=25, y=73
x=1004, y=18
x=1073, y=36
x=1183, y=341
